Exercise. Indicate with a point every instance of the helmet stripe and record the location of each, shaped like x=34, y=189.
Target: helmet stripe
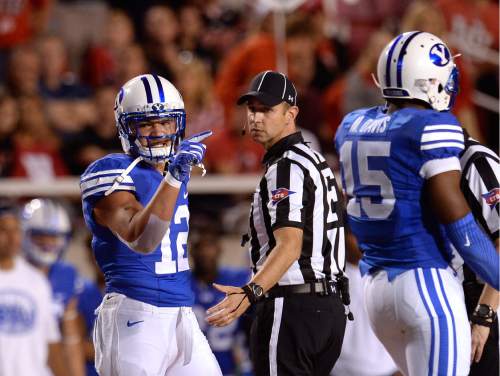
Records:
x=388, y=64
x=402, y=54
x=160, y=88
x=145, y=82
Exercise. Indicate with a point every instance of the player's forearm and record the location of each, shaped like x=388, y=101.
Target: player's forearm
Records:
x=148, y=226
x=284, y=254
x=490, y=296
x=55, y=359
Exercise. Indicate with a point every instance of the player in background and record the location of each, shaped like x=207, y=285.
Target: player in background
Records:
x=358, y=333
x=228, y=342
x=136, y=207
x=401, y=172
x=47, y=230
x=480, y=186
x=89, y=298
x=30, y=341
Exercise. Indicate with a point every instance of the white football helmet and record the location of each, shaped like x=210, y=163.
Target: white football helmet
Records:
x=418, y=65
x=148, y=97
x=47, y=229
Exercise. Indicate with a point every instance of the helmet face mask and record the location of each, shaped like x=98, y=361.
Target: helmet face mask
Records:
x=418, y=65
x=144, y=99
x=47, y=231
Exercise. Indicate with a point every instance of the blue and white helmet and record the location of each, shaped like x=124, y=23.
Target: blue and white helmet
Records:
x=44, y=217
x=148, y=97
x=418, y=65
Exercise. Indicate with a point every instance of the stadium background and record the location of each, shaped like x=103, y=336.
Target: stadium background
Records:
x=62, y=62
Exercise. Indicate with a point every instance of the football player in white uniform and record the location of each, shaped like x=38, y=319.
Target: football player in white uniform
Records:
x=29, y=335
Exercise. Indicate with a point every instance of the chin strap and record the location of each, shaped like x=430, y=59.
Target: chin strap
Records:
x=123, y=175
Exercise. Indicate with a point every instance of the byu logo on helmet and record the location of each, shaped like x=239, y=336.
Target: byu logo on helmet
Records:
x=158, y=107
x=439, y=55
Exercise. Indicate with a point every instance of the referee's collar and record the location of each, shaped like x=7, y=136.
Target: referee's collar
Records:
x=281, y=146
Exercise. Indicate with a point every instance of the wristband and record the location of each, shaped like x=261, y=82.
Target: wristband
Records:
x=172, y=181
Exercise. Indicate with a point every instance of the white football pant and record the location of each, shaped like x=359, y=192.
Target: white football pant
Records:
x=132, y=338
x=421, y=319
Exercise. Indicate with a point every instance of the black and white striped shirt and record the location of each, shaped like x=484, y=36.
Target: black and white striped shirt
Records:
x=299, y=190
x=479, y=184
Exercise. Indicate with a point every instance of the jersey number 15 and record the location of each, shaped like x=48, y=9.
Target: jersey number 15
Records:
x=370, y=190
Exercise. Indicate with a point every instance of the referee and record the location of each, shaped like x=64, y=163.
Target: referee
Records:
x=296, y=239
x=479, y=184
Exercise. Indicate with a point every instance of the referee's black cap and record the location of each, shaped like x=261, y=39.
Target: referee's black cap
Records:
x=271, y=88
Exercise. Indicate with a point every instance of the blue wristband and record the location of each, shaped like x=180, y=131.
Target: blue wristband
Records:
x=476, y=249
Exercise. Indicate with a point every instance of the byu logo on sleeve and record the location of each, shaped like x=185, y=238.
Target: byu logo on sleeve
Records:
x=439, y=54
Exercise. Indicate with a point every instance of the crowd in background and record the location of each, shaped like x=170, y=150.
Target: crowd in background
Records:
x=61, y=63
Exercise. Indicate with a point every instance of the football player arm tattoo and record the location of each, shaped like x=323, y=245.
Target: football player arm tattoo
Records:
x=470, y=241
x=285, y=253
x=142, y=228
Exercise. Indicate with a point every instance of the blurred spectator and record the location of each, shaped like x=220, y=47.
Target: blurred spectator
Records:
x=80, y=23
x=131, y=63
x=419, y=16
x=254, y=54
x=473, y=27
x=23, y=71
x=301, y=44
x=29, y=336
x=227, y=343
x=231, y=152
x=354, y=21
x=10, y=117
x=192, y=28
x=102, y=61
x=20, y=21
x=195, y=83
x=161, y=30
x=36, y=147
x=473, y=30
x=99, y=138
x=356, y=89
x=68, y=103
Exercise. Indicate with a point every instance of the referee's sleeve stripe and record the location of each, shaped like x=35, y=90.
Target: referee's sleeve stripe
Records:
x=283, y=172
x=486, y=173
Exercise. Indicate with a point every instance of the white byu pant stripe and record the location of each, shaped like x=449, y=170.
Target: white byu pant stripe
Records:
x=133, y=338
x=420, y=318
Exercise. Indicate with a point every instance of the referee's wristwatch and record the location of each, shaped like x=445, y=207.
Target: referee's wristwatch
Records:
x=483, y=315
x=254, y=292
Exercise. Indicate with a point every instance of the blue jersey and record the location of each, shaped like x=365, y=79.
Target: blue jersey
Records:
x=222, y=340
x=89, y=298
x=385, y=160
x=161, y=278
x=63, y=280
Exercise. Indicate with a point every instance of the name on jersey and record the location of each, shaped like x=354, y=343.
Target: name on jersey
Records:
x=280, y=194
x=492, y=197
x=362, y=125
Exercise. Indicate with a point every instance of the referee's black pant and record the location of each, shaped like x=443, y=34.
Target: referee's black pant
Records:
x=300, y=335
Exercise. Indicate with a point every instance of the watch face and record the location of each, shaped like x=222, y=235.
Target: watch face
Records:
x=483, y=311
x=258, y=291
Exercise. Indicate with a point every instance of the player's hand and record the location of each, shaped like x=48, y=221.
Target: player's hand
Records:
x=190, y=153
x=230, y=308
x=479, y=335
